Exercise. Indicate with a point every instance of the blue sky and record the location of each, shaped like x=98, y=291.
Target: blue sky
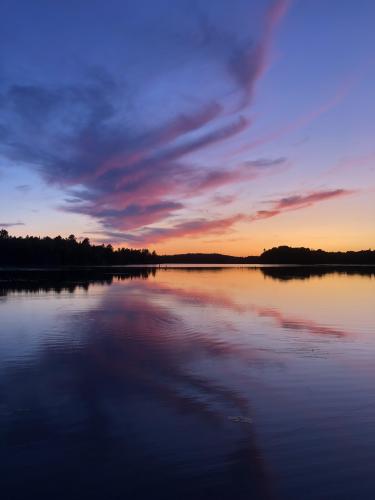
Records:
x=189, y=125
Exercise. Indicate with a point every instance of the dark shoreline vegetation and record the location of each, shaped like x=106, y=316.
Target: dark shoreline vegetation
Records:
x=58, y=252
x=73, y=279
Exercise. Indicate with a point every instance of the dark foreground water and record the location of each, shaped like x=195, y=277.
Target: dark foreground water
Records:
x=187, y=384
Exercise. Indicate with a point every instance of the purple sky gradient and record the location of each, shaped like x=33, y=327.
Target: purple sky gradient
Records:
x=189, y=125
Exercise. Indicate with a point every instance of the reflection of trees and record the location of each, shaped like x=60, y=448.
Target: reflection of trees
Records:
x=81, y=278
x=285, y=273
x=68, y=280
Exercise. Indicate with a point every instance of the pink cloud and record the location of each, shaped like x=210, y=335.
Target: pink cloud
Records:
x=119, y=169
x=151, y=191
x=297, y=202
x=176, y=128
x=204, y=226
x=302, y=201
x=192, y=228
x=244, y=172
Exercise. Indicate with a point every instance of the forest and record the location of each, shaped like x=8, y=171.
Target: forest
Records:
x=59, y=251
x=17, y=251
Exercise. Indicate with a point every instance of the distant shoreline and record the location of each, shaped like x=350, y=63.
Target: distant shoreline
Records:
x=180, y=265
x=35, y=252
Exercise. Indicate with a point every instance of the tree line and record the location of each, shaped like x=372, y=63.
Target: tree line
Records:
x=59, y=251
x=302, y=255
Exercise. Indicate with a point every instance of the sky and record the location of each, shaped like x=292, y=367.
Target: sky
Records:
x=187, y=125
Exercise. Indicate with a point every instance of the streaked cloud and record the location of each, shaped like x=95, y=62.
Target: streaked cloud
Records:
x=116, y=164
x=11, y=224
x=23, y=188
x=297, y=202
x=205, y=226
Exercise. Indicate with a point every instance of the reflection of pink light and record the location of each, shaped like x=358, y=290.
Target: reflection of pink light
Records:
x=221, y=300
x=295, y=323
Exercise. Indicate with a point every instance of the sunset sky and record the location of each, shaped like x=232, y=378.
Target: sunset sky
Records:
x=189, y=125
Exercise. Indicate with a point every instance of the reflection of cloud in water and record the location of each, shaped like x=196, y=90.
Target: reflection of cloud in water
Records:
x=215, y=299
x=136, y=386
x=128, y=391
x=300, y=324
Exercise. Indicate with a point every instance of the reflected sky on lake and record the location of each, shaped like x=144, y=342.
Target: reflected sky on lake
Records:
x=127, y=385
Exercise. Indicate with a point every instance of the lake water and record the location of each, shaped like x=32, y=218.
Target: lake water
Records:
x=232, y=383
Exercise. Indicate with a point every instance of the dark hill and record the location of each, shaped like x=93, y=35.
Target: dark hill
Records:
x=205, y=258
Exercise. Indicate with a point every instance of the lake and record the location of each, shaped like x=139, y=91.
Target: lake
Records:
x=188, y=383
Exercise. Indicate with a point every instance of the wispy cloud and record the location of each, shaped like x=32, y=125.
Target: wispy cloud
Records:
x=297, y=202
x=249, y=61
x=187, y=228
x=356, y=162
x=298, y=123
x=210, y=226
x=23, y=188
x=192, y=228
x=116, y=165
x=11, y=224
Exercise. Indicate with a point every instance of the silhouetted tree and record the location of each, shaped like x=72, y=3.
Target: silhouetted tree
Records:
x=289, y=255
x=58, y=251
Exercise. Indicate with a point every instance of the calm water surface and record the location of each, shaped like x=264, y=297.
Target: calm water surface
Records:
x=230, y=383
